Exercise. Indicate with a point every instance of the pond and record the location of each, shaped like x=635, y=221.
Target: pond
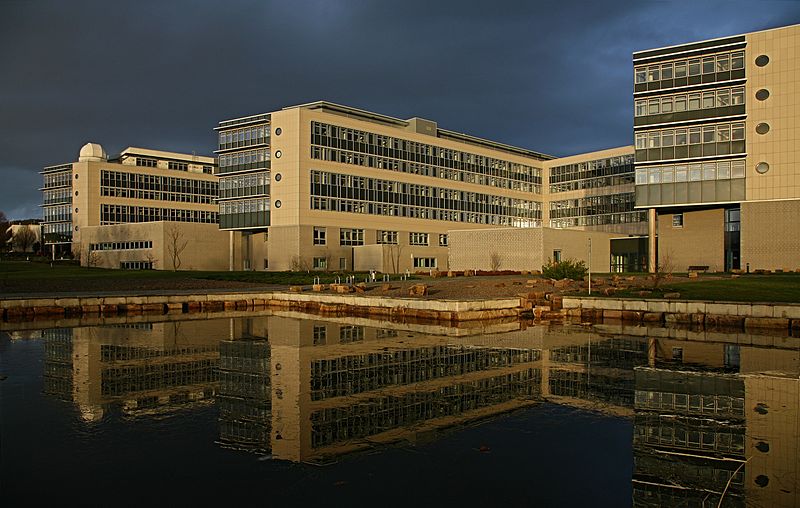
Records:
x=282, y=407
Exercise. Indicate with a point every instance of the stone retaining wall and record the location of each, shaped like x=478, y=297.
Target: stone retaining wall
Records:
x=783, y=316
x=391, y=308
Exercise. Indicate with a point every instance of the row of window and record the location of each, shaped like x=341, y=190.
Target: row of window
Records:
x=593, y=183
x=121, y=214
x=58, y=179
x=345, y=157
x=720, y=98
x=593, y=205
x=592, y=169
x=243, y=137
x=373, y=189
x=136, y=265
x=244, y=206
x=351, y=236
x=722, y=62
x=718, y=133
x=57, y=213
x=599, y=220
x=138, y=186
x=719, y=170
x=134, y=245
x=57, y=232
x=363, y=142
x=60, y=195
x=250, y=184
x=146, y=162
x=240, y=161
x=358, y=195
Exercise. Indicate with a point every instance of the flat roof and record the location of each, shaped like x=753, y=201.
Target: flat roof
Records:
x=163, y=154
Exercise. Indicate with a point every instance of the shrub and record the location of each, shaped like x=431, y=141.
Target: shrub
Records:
x=564, y=269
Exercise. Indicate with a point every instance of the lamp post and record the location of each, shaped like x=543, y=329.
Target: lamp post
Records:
x=590, y=267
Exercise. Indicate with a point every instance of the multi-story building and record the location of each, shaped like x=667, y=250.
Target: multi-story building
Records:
x=121, y=212
x=324, y=186
x=716, y=155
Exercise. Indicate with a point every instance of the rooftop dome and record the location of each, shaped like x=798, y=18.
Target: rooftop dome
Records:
x=92, y=152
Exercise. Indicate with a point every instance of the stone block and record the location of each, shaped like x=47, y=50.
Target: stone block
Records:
x=724, y=321
x=174, y=308
x=634, y=316
x=672, y=296
x=48, y=311
x=653, y=317
x=677, y=318
x=418, y=290
x=153, y=308
x=296, y=289
x=318, y=287
x=91, y=309
x=612, y=314
x=763, y=322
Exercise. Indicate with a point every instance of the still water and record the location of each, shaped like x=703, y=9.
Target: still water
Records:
x=280, y=407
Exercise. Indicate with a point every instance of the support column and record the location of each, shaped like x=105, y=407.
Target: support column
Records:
x=651, y=239
x=230, y=251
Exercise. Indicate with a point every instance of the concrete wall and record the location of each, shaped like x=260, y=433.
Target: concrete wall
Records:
x=701, y=240
x=526, y=248
x=206, y=247
x=771, y=235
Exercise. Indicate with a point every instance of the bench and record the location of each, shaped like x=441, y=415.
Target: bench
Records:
x=698, y=268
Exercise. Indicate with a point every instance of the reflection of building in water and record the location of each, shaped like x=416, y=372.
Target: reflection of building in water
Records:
x=244, y=398
x=143, y=366
x=698, y=433
x=596, y=369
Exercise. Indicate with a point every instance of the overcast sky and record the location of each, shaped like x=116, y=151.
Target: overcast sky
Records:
x=550, y=76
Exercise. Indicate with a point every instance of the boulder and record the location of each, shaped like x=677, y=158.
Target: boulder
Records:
x=418, y=290
x=296, y=289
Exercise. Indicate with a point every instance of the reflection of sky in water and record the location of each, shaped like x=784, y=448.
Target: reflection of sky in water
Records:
x=498, y=414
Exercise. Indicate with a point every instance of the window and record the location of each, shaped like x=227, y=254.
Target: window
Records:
x=418, y=238
x=666, y=71
x=667, y=138
x=641, y=108
x=737, y=60
x=677, y=354
x=557, y=256
x=694, y=67
x=708, y=100
x=351, y=237
x=653, y=73
x=737, y=96
x=708, y=134
x=694, y=101
x=694, y=136
x=723, y=63
x=266, y=264
x=677, y=220
x=320, y=236
x=320, y=263
x=641, y=141
x=680, y=69
x=641, y=74
x=387, y=237
x=680, y=103
x=320, y=332
x=723, y=98
x=179, y=166
x=680, y=137
x=342, y=263
x=666, y=105
x=147, y=163
x=443, y=240
x=653, y=107
x=737, y=131
x=708, y=65
x=655, y=140
x=424, y=262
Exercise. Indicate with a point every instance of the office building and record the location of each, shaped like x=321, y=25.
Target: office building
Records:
x=323, y=186
x=716, y=130
x=134, y=211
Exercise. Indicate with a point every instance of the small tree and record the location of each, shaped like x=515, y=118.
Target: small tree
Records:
x=93, y=259
x=395, y=251
x=151, y=259
x=663, y=270
x=24, y=238
x=77, y=252
x=564, y=269
x=495, y=261
x=176, y=244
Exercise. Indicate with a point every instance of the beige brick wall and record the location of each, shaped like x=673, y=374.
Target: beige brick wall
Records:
x=771, y=235
x=701, y=240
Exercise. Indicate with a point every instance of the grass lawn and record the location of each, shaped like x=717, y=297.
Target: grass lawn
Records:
x=747, y=288
x=35, y=272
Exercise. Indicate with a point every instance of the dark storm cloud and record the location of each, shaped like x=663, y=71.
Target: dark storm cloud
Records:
x=550, y=76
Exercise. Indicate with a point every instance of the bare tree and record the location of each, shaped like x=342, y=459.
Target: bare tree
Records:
x=77, y=252
x=4, y=233
x=495, y=261
x=24, y=238
x=663, y=270
x=151, y=259
x=93, y=259
x=176, y=244
x=395, y=251
x=328, y=259
x=300, y=264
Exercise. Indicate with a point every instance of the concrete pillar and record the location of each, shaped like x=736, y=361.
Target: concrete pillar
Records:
x=651, y=239
x=230, y=251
